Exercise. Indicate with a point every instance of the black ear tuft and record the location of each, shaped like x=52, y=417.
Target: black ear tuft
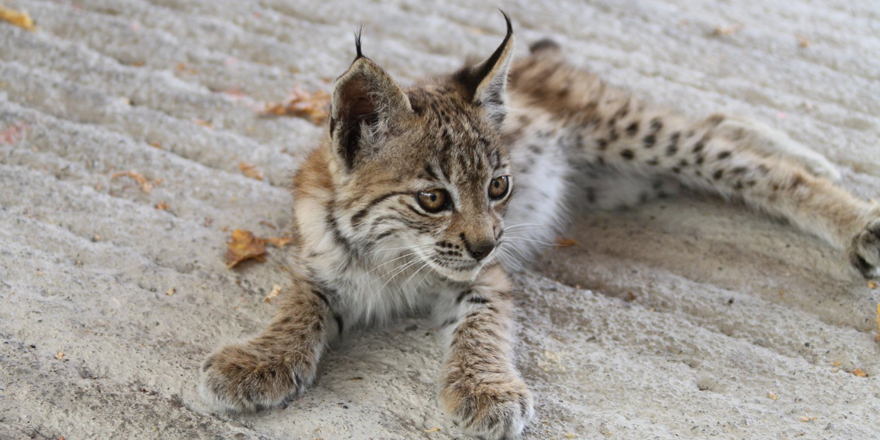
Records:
x=357, y=42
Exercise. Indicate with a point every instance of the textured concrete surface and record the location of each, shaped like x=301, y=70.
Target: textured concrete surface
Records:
x=684, y=318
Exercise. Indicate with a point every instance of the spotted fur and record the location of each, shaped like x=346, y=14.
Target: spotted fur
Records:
x=368, y=248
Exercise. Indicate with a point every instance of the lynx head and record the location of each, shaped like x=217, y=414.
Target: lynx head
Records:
x=422, y=170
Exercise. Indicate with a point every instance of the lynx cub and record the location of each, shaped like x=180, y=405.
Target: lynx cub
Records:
x=417, y=198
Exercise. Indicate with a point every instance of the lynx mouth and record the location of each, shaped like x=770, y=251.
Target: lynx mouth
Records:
x=456, y=270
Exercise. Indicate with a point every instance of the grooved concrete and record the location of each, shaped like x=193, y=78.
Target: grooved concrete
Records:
x=672, y=320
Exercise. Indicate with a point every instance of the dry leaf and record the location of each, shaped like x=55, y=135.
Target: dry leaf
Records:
x=859, y=372
x=878, y=321
x=169, y=292
x=303, y=104
x=836, y=364
x=203, y=123
x=725, y=31
x=433, y=430
x=161, y=206
x=772, y=396
x=250, y=171
x=145, y=184
x=565, y=242
x=276, y=289
x=181, y=68
x=803, y=41
x=20, y=19
x=808, y=419
x=279, y=241
x=242, y=246
x=13, y=134
x=59, y=356
x=872, y=284
x=156, y=145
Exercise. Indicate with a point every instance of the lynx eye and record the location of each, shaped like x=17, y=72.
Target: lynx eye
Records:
x=499, y=187
x=434, y=200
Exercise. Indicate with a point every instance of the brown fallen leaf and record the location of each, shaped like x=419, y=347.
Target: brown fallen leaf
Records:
x=803, y=41
x=250, y=171
x=243, y=246
x=433, y=430
x=725, y=31
x=565, y=242
x=859, y=372
x=772, y=396
x=20, y=19
x=808, y=419
x=169, y=292
x=161, y=206
x=836, y=363
x=872, y=284
x=60, y=356
x=303, y=104
x=13, y=134
x=279, y=242
x=203, y=123
x=276, y=289
x=878, y=321
x=145, y=184
x=182, y=68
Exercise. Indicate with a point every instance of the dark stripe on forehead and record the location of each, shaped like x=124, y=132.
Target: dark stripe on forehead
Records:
x=430, y=171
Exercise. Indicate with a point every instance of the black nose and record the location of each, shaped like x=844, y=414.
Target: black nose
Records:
x=481, y=250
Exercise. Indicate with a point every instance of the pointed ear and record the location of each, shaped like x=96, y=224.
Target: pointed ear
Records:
x=485, y=83
x=365, y=101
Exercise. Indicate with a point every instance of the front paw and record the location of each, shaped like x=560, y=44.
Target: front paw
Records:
x=864, y=252
x=489, y=408
x=244, y=377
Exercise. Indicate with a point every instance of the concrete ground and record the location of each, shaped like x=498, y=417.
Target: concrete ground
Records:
x=684, y=318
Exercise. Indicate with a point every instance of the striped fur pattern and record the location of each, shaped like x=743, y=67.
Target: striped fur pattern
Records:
x=418, y=199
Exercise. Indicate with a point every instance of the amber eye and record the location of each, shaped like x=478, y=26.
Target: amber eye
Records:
x=498, y=187
x=434, y=200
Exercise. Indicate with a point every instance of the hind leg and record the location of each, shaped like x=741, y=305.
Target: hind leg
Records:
x=770, y=142
x=731, y=157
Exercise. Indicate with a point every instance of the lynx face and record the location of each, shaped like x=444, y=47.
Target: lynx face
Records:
x=424, y=169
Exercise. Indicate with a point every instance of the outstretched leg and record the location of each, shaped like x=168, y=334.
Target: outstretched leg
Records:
x=728, y=156
x=480, y=387
x=279, y=363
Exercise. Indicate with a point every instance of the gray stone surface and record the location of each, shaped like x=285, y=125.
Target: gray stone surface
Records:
x=677, y=319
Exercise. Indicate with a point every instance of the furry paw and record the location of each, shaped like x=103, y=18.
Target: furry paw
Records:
x=489, y=409
x=243, y=377
x=864, y=252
